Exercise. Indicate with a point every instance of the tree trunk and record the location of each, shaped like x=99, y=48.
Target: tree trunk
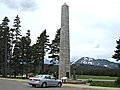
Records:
x=5, y=59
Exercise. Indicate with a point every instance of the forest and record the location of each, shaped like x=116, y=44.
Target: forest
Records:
x=18, y=56
x=83, y=69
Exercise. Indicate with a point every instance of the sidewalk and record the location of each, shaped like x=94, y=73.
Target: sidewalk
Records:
x=83, y=86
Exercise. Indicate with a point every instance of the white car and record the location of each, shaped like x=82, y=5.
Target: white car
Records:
x=44, y=81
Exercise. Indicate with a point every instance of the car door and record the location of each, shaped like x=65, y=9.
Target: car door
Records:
x=48, y=80
x=53, y=81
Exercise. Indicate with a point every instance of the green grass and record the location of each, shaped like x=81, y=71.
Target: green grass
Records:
x=96, y=77
x=103, y=84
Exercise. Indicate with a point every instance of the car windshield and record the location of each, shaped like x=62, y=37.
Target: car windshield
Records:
x=38, y=76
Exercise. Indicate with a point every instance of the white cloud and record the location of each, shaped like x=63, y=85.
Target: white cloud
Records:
x=23, y=5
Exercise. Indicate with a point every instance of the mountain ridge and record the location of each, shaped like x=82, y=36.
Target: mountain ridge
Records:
x=96, y=62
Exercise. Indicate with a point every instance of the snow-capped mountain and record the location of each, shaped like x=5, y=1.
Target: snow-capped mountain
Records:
x=96, y=62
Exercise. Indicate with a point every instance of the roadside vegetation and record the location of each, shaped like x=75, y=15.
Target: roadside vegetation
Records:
x=96, y=77
x=103, y=84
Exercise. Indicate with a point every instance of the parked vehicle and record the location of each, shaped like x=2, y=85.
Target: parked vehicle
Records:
x=44, y=81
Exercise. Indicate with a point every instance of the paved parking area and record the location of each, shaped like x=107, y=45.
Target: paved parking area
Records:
x=18, y=85
x=13, y=83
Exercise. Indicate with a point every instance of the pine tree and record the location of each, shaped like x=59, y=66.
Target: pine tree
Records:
x=4, y=33
x=1, y=49
x=54, y=50
x=55, y=47
x=42, y=46
x=17, y=28
x=27, y=52
x=10, y=50
x=117, y=51
x=34, y=59
x=16, y=42
x=117, y=57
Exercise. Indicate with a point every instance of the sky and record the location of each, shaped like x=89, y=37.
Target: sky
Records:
x=94, y=24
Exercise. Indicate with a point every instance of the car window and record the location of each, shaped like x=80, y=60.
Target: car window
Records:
x=47, y=77
x=38, y=76
x=52, y=77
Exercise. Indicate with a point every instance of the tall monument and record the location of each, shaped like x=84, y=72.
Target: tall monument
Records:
x=64, y=63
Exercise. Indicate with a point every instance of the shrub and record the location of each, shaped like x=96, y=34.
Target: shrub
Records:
x=102, y=83
x=117, y=82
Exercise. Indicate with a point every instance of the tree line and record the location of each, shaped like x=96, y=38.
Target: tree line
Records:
x=18, y=56
x=96, y=71
x=83, y=69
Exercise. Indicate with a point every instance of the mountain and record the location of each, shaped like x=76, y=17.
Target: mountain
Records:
x=96, y=62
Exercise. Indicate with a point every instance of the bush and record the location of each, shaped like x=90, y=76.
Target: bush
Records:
x=117, y=82
x=102, y=83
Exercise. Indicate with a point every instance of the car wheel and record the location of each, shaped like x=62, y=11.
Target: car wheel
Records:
x=44, y=85
x=33, y=85
x=59, y=84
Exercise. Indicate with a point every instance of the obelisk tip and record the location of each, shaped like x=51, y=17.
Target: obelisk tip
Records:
x=65, y=3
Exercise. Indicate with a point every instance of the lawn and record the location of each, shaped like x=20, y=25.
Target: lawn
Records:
x=103, y=84
x=96, y=77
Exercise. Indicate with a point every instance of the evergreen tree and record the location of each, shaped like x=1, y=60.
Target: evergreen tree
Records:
x=42, y=46
x=22, y=54
x=16, y=42
x=10, y=50
x=17, y=28
x=1, y=48
x=28, y=52
x=55, y=47
x=117, y=57
x=117, y=51
x=1, y=36
x=25, y=53
x=4, y=33
x=34, y=60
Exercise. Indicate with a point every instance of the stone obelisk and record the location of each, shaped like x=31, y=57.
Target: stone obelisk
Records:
x=64, y=63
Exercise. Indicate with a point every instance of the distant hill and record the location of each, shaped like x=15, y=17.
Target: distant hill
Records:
x=96, y=62
x=87, y=66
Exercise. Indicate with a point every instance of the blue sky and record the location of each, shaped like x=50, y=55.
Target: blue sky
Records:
x=94, y=24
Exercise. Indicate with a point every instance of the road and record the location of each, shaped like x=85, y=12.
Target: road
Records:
x=18, y=85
